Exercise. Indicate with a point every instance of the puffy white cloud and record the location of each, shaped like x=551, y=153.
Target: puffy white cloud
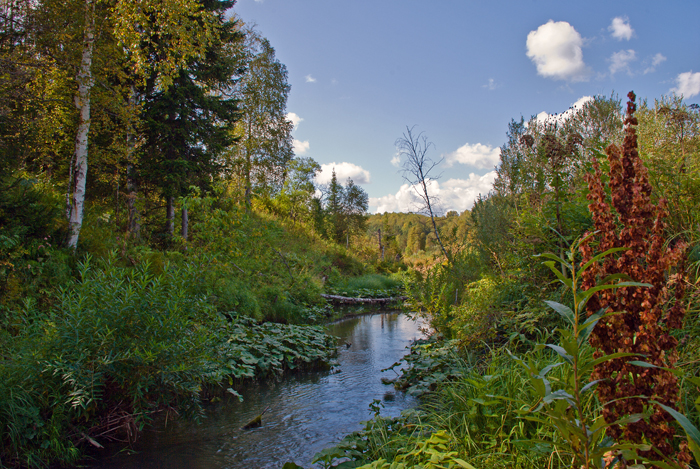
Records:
x=296, y=120
x=621, y=29
x=310, y=79
x=657, y=60
x=543, y=117
x=300, y=148
x=405, y=200
x=688, y=84
x=396, y=160
x=343, y=171
x=620, y=61
x=477, y=155
x=453, y=194
x=555, y=47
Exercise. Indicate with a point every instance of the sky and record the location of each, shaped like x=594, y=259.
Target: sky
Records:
x=362, y=71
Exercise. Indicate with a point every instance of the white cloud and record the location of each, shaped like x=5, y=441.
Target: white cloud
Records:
x=343, y=171
x=396, y=160
x=310, y=79
x=657, y=60
x=556, y=50
x=543, y=117
x=300, y=148
x=491, y=85
x=296, y=120
x=688, y=84
x=620, y=61
x=453, y=194
x=478, y=155
x=621, y=29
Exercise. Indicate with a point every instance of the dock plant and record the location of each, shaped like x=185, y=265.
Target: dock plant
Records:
x=630, y=223
x=568, y=404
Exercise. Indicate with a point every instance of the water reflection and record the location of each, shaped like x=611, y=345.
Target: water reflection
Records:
x=306, y=412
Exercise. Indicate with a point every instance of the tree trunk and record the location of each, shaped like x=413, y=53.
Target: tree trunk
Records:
x=169, y=216
x=248, y=169
x=432, y=218
x=134, y=227
x=381, y=248
x=79, y=167
x=185, y=222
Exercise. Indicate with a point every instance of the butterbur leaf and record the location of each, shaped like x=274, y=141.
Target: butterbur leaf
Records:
x=231, y=391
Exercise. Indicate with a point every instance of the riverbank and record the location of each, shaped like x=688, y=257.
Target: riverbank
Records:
x=307, y=411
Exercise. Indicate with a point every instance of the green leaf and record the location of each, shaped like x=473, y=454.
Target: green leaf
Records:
x=563, y=279
x=291, y=465
x=619, y=276
x=563, y=310
x=562, y=353
x=590, y=386
x=559, y=394
x=599, y=257
x=612, y=356
x=691, y=431
x=587, y=294
x=463, y=463
x=554, y=257
x=642, y=364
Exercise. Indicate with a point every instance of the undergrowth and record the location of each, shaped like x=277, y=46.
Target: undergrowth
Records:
x=122, y=343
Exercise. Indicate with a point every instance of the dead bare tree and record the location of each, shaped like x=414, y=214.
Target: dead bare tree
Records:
x=417, y=166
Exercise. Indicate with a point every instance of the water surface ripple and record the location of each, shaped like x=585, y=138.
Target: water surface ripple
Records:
x=308, y=412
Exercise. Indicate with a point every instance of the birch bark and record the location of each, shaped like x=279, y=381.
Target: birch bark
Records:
x=82, y=102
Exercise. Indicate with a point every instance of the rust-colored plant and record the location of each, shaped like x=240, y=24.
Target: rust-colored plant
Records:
x=645, y=316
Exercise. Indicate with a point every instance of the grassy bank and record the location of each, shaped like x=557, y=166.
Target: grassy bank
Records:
x=95, y=341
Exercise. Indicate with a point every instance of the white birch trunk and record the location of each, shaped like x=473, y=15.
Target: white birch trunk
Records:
x=82, y=102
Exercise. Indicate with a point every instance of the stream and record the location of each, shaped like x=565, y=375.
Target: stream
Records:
x=307, y=412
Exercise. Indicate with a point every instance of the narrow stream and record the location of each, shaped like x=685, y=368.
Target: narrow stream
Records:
x=308, y=412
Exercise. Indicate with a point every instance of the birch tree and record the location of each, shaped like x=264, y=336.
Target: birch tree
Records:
x=265, y=133
x=158, y=38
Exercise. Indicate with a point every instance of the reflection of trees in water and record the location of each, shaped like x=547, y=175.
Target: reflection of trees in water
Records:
x=307, y=411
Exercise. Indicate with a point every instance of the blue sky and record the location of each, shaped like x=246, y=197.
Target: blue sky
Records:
x=460, y=70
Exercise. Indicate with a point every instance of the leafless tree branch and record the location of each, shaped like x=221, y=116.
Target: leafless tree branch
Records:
x=417, y=167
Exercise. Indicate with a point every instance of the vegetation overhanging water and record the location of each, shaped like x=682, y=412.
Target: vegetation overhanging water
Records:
x=307, y=411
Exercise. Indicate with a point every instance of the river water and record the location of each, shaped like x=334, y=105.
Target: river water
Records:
x=307, y=412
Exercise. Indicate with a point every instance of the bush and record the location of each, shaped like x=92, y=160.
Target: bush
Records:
x=119, y=340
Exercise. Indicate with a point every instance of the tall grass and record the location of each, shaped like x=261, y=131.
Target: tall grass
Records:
x=368, y=285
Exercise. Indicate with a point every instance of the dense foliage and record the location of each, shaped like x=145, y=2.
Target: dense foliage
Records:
x=121, y=121
x=532, y=373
